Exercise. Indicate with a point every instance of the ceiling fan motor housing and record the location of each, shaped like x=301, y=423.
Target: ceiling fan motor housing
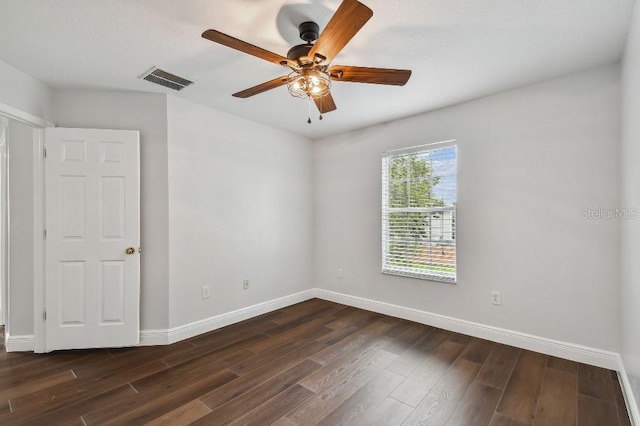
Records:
x=309, y=31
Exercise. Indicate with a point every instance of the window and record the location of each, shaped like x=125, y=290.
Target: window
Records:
x=419, y=212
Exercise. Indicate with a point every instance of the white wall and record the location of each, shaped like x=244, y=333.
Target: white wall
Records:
x=147, y=113
x=23, y=92
x=240, y=207
x=529, y=161
x=630, y=229
x=21, y=208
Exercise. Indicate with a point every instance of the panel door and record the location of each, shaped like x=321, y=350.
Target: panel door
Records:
x=92, y=210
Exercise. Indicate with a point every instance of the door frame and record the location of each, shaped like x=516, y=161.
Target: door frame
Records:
x=4, y=238
x=38, y=124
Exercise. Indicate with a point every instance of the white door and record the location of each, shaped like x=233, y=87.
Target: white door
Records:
x=92, y=272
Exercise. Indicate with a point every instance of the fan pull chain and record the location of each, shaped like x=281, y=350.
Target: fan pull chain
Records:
x=309, y=109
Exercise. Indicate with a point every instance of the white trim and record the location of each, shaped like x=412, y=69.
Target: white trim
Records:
x=20, y=343
x=418, y=148
x=23, y=117
x=627, y=392
x=176, y=334
x=154, y=337
x=579, y=353
x=4, y=227
x=39, y=329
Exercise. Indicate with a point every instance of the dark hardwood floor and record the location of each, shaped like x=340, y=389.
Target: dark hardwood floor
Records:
x=312, y=363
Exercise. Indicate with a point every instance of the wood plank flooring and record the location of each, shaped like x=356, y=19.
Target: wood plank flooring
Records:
x=316, y=362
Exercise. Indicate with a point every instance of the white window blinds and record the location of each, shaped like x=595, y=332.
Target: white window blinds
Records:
x=419, y=212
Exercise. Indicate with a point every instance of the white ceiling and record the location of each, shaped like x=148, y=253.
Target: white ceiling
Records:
x=458, y=49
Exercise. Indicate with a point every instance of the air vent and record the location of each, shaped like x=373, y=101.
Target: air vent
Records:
x=166, y=79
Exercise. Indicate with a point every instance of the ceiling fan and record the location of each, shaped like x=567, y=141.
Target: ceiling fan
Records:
x=310, y=64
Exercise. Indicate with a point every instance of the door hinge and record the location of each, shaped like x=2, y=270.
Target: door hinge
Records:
x=45, y=234
x=44, y=315
x=45, y=152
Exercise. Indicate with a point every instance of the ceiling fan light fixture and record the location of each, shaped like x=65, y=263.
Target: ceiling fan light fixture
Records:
x=309, y=84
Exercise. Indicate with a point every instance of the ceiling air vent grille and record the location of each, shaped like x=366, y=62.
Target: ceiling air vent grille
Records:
x=166, y=79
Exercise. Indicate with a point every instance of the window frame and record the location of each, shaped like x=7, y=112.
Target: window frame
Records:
x=386, y=210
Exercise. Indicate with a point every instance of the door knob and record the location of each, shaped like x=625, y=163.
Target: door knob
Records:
x=130, y=250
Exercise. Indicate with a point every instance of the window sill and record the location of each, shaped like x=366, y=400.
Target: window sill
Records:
x=420, y=276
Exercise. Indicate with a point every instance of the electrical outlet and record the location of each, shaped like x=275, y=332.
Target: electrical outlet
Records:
x=245, y=284
x=205, y=292
x=496, y=298
x=340, y=273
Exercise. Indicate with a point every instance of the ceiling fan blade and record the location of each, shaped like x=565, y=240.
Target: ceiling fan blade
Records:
x=255, y=90
x=345, y=23
x=243, y=46
x=369, y=75
x=325, y=103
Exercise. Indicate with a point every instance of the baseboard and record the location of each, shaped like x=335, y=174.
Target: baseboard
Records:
x=627, y=391
x=176, y=334
x=154, y=337
x=20, y=343
x=565, y=350
x=543, y=345
x=579, y=353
